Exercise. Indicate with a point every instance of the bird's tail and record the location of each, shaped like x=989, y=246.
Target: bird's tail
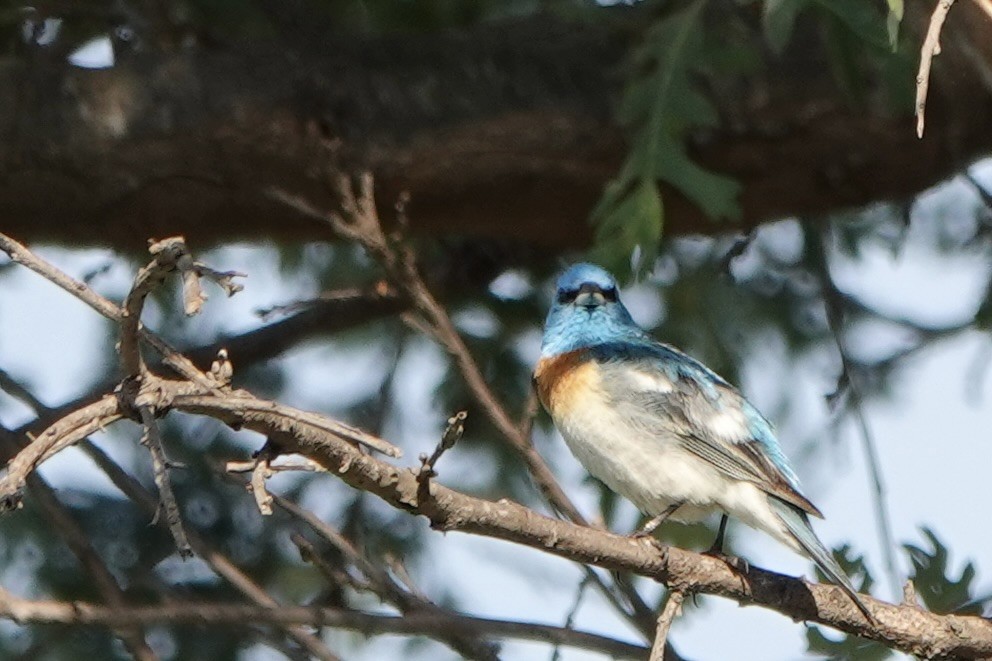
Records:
x=797, y=523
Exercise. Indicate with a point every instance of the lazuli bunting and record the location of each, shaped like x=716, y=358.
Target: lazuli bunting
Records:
x=661, y=429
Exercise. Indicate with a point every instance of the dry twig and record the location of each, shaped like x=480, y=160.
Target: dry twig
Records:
x=673, y=606
x=152, y=439
x=930, y=48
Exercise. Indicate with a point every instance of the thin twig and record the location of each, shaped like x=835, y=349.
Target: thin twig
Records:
x=335, y=575
x=219, y=562
x=359, y=221
x=572, y=612
x=834, y=301
x=930, y=48
x=171, y=357
x=882, y=520
x=673, y=606
x=451, y=435
x=407, y=599
x=152, y=439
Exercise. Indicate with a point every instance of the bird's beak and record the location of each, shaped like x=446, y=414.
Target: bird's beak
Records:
x=590, y=296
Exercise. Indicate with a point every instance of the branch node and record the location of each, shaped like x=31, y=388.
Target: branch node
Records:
x=260, y=473
x=222, y=370
x=452, y=433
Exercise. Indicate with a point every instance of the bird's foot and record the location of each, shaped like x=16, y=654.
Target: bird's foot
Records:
x=738, y=564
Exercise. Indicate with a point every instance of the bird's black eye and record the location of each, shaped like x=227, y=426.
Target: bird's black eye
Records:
x=566, y=297
x=610, y=294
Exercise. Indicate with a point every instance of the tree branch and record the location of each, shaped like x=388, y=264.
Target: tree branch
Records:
x=432, y=624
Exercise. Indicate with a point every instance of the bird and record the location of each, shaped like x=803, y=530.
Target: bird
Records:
x=661, y=429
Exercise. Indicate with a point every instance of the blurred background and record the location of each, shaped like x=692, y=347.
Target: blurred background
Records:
x=750, y=169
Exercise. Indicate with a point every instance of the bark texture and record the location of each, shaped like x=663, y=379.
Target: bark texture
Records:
x=502, y=130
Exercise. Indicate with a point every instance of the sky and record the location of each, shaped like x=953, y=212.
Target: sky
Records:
x=931, y=435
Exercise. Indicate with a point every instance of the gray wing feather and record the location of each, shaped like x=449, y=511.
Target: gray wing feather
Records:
x=706, y=416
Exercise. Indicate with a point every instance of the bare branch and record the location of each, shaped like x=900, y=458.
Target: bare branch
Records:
x=219, y=562
x=221, y=565
x=452, y=433
x=930, y=48
x=152, y=439
x=431, y=624
x=382, y=584
x=906, y=629
x=673, y=606
x=21, y=255
x=62, y=434
x=359, y=221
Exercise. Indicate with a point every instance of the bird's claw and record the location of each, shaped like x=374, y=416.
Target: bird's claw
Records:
x=738, y=564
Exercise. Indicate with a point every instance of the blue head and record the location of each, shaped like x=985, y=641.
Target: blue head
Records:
x=586, y=311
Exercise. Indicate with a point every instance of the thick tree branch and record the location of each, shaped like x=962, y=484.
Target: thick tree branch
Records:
x=502, y=130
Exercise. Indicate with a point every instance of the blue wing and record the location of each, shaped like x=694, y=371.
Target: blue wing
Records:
x=658, y=388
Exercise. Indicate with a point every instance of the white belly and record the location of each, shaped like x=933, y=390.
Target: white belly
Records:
x=648, y=471
x=653, y=472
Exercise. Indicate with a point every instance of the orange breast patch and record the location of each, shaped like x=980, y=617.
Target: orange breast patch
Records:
x=563, y=379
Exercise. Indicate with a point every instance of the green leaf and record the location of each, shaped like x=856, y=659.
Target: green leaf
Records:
x=633, y=222
x=940, y=592
x=893, y=21
x=659, y=107
x=861, y=18
x=778, y=21
x=713, y=193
